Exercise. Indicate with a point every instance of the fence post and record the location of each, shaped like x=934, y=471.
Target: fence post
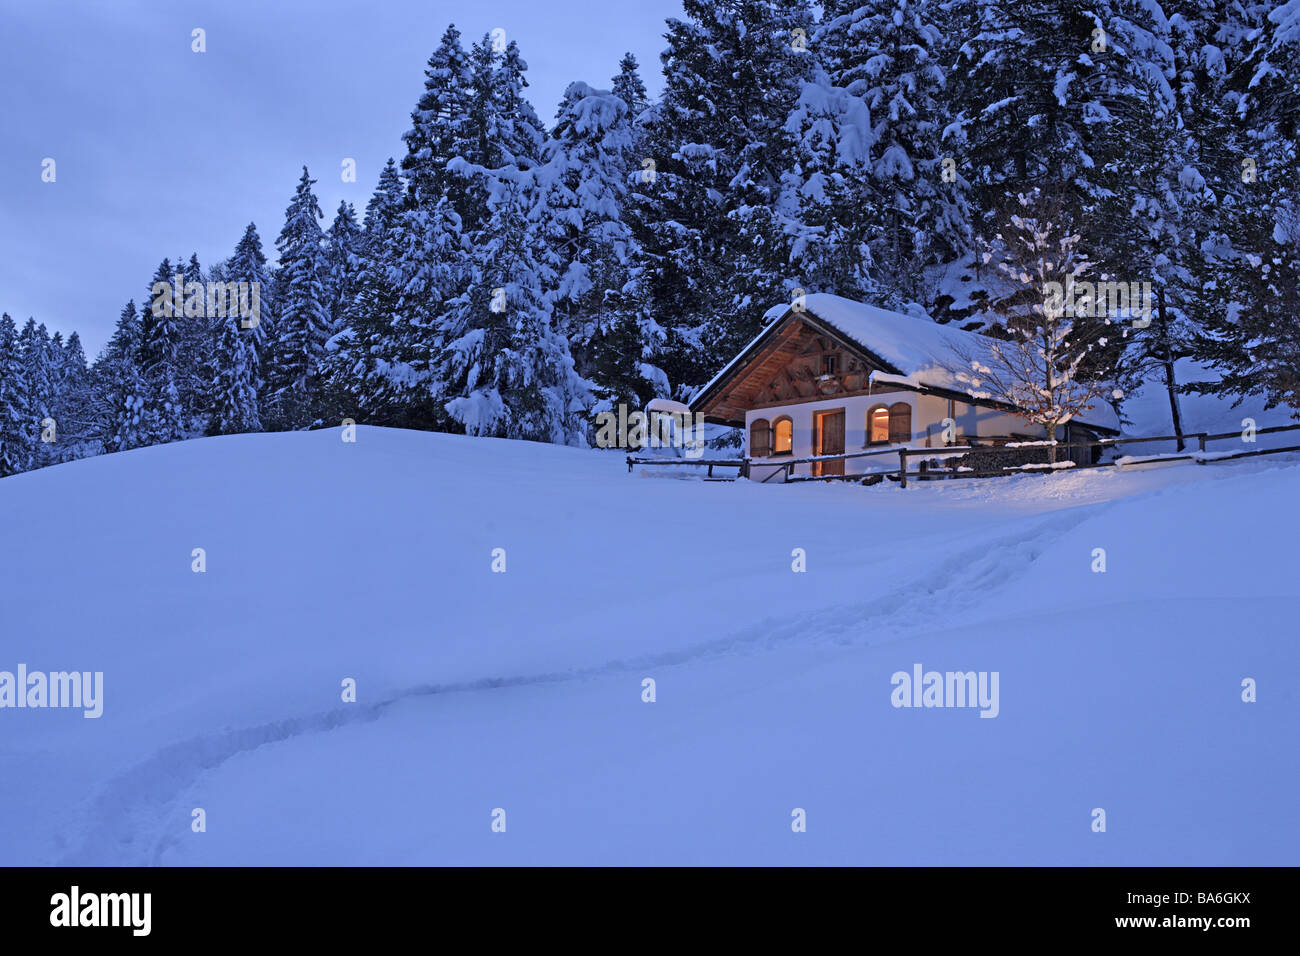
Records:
x=629, y=464
x=902, y=468
x=1200, y=438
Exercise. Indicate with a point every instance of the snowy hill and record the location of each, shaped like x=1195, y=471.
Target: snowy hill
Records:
x=522, y=690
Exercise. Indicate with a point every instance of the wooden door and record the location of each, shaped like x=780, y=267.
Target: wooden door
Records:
x=830, y=441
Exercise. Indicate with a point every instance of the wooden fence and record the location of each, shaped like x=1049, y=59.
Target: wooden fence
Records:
x=929, y=469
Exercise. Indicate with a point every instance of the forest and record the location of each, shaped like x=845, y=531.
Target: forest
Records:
x=951, y=159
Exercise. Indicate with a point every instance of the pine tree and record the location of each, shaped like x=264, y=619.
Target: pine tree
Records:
x=439, y=125
x=887, y=52
x=356, y=356
x=1150, y=218
x=17, y=435
x=42, y=389
x=159, y=353
x=301, y=316
x=343, y=256
x=1031, y=92
x=591, y=257
x=121, y=389
x=1247, y=326
x=194, y=352
x=514, y=132
x=235, y=398
x=236, y=378
x=823, y=211
x=628, y=86
x=510, y=373
x=426, y=249
x=74, y=413
x=384, y=205
x=717, y=139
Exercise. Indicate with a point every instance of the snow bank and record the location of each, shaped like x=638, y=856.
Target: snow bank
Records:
x=523, y=690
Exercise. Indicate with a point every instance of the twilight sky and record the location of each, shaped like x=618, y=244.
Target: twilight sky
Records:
x=160, y=151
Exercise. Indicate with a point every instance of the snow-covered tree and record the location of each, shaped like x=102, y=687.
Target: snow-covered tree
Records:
x=74, y=412
x=158, y=353
x=823, y=210
x=358, y=354
x=628, y=86
x=17, y=431
x=121, y=389
x=344, y=250
x=887, y=53
x=237, y=387
x=507, y=372
x=301, y=311
x=733, y=73
x=1248, y=328
x=440, y=126
x=40, y=368
x=590, y=255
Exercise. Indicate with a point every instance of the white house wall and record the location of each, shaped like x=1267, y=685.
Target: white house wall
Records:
x=928, y=414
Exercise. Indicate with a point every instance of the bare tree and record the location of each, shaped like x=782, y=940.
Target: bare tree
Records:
x=1041, y=365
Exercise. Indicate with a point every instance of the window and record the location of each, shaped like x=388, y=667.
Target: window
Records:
x=878, y=425
x=900, y=422
x=783, y=437
x=760, y=438
x=830, y=364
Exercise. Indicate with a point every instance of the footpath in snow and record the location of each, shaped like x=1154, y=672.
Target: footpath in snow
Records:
x=522, y=691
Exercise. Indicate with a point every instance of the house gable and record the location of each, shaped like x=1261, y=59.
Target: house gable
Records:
x=797, y=359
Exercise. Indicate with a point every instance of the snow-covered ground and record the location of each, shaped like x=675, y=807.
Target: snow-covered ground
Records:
x=523, y=690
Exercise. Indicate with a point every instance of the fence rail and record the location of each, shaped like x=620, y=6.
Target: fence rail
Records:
x=924, y=472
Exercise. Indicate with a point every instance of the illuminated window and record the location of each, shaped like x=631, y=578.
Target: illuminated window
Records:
x=760, y=438
x=783, y=437
x=878, y=425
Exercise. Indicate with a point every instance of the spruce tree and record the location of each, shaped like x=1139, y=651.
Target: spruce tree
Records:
x=887, y=52
x=356, y=357
x=509, y=373
x=301, y=315
x=628, y=86
x=17, y=435
x=719, y=146
x=121, y=389
x=344, y=251
x=41, y=377
x=75, y=412
x=236, y=384
x=591, y=256
x=159, y=353
x=439, y=128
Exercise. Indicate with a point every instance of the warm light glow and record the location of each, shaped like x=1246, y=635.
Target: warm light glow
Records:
x=879, y=424
x=784, y=436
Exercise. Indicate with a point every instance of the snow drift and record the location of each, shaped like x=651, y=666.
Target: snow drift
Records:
x=522, y=691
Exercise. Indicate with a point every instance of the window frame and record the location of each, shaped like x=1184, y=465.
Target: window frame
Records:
x=879, y=407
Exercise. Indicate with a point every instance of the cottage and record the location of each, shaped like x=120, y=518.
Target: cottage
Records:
x=829, y=376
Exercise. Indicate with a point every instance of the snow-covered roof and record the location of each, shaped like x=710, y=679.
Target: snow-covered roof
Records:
x=923, y=352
